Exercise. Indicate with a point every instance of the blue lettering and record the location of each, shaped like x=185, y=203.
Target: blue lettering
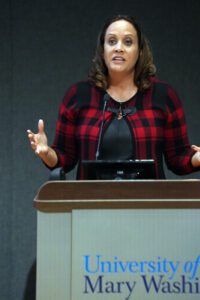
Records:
x=123, y=268
x=195, y=268
x=87, y=264
x=108, y=264
x=133, y=265
x=188, y=267
x=152, y=267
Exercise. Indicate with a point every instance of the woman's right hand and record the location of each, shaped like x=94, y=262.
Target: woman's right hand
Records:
x=38, y=141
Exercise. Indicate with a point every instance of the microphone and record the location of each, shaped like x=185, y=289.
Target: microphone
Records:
x=105, y=99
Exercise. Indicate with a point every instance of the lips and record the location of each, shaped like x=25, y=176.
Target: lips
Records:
x=118, y=58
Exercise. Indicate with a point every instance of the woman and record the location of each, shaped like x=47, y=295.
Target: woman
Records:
x=144, y=118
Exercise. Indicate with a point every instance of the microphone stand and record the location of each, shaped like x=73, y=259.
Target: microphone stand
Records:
x=105, y=99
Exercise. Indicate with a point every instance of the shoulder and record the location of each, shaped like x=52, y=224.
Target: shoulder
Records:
x=78, y=92
x=161, y=87
x=164, y=95
x=81, y=94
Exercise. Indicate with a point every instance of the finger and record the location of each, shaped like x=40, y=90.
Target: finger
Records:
x=38, y=150
x=196, y=148
x=29, y=132
x=41, y=126
x=31, y=137
x=33, y=146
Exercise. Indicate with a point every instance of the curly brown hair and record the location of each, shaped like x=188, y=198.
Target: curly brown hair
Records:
x=144, y=68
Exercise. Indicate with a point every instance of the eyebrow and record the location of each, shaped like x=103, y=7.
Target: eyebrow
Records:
x=127, y=34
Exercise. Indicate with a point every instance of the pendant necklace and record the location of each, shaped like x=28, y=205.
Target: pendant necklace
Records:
x=120, y=114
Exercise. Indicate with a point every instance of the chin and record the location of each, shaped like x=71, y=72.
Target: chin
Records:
x=118, y=69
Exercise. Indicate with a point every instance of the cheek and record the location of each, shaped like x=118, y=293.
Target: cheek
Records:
x=135, y=55
x=106, y=55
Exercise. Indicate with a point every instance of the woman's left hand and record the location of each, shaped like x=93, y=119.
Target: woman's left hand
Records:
x=196, y=148
x=196, y=156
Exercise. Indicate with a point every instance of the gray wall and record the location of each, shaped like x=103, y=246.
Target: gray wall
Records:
x=45, y=47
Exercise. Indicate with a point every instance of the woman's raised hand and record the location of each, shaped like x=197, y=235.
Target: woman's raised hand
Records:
x=38, y=140
x=39, y=144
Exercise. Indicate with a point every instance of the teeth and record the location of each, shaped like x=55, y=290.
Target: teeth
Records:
x=121, y=59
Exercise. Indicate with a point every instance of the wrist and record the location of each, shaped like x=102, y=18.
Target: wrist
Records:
x=49, y=157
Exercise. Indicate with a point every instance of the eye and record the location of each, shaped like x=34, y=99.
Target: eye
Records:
x=128, y=42
x=112, y=41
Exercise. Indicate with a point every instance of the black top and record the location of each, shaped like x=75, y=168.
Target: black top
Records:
x=117, y=140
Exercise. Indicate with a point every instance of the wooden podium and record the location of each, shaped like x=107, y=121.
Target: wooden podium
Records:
x=118, y=240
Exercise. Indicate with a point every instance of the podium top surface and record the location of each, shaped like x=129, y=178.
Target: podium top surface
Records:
x=58, y=196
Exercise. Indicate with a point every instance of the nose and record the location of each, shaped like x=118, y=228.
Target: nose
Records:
x=119, y=47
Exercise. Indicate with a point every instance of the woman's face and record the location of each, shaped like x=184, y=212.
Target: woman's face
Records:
x=121, y=48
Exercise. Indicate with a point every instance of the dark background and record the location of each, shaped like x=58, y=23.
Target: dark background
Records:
x=45, y=47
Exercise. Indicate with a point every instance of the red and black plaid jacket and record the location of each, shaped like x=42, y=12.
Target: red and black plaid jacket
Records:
x=158, y=127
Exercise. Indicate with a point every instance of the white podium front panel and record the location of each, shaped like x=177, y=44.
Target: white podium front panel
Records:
x=53, y=256
x=118, y=240
x=137, y=254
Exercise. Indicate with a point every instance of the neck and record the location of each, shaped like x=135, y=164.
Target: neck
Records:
x=121, y=80
x=122, y=87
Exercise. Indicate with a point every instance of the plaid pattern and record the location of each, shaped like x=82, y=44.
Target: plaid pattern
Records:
x=158, y=127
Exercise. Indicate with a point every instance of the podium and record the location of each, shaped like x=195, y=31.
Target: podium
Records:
x=115, y=240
